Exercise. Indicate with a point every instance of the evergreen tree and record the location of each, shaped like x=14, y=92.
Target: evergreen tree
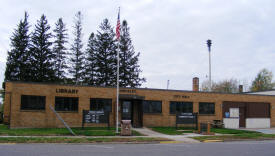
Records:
x=106, y=55
x=59, y=50
x=91, y=61
x=42, y=57
x=17, y=66
x=77, y=58
x=11, y=72
x=129, y=67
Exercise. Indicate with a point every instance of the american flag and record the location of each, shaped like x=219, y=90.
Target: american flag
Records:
x=118, y=27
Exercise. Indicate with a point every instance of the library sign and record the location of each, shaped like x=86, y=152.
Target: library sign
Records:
x=67, y=91
x=127, y=91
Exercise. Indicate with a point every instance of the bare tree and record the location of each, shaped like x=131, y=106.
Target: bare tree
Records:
x=263, y=81
x=224, y=86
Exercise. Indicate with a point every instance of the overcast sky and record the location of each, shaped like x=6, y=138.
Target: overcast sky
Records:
x=170, y=35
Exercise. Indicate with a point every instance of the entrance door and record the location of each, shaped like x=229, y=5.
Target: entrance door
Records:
x=132, y=110
x=137, y=113
x=126, y=110
x=242, y=116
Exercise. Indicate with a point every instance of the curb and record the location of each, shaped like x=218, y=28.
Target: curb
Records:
x=213, y=141
x=170, y=142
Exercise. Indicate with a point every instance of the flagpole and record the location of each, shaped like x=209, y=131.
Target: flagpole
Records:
x=117, y=88
x=117, y=77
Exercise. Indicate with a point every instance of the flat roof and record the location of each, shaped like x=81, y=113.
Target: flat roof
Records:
x=156, y=89
x=261, y=91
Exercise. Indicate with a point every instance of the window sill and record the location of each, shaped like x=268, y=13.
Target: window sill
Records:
x=67, y=111
x=42, y=111
x=206, y=114
x=103, y=111
x=152, y=113
x=198, y=114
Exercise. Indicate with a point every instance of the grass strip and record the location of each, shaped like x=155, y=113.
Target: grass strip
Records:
x=237, y=137
x=87, y=131
x=173, y=130
x=76, y=140
x=231, y=131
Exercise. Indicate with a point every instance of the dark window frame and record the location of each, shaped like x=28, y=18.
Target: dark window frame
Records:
x=66, y=107
x=151, y=103
x=109, y=101
x=211, y=112
x=175, y=107
x=27, y=103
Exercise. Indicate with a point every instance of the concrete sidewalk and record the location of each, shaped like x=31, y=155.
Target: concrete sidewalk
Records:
x=262, y=130
x=181, y=138
x=145, y=131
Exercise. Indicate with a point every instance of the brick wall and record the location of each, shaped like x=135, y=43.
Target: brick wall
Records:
x=46, y=118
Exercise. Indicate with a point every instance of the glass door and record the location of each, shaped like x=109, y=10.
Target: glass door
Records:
x=126, y=110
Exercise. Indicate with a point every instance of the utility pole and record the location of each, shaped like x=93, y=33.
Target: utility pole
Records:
x=209, y=43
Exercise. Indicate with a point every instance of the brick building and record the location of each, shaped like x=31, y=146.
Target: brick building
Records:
x=28, y=105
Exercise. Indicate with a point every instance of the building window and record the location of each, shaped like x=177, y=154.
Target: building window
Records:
x=152, y=106
x=206, y=108
x=181, y=107
x=66, y=103
x=31, y=102
x=101, y=105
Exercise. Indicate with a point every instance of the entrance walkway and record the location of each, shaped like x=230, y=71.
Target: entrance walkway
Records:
x=180, y=138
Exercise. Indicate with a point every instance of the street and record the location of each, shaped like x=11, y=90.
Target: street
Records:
x=253, y=148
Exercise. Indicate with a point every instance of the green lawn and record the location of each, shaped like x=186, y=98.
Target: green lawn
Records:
x=87, y=131
x=76, y=140
x=235, y=134
x=173, y=130
x=231, y=131
x=236, y=137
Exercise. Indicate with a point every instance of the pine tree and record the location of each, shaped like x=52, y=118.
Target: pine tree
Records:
x=91, y=61
x=106, y=55
x=129, y=67
x=17, y=66
x=11, y=72
x=59, y=50
x=42, y=57
x=77, y=58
